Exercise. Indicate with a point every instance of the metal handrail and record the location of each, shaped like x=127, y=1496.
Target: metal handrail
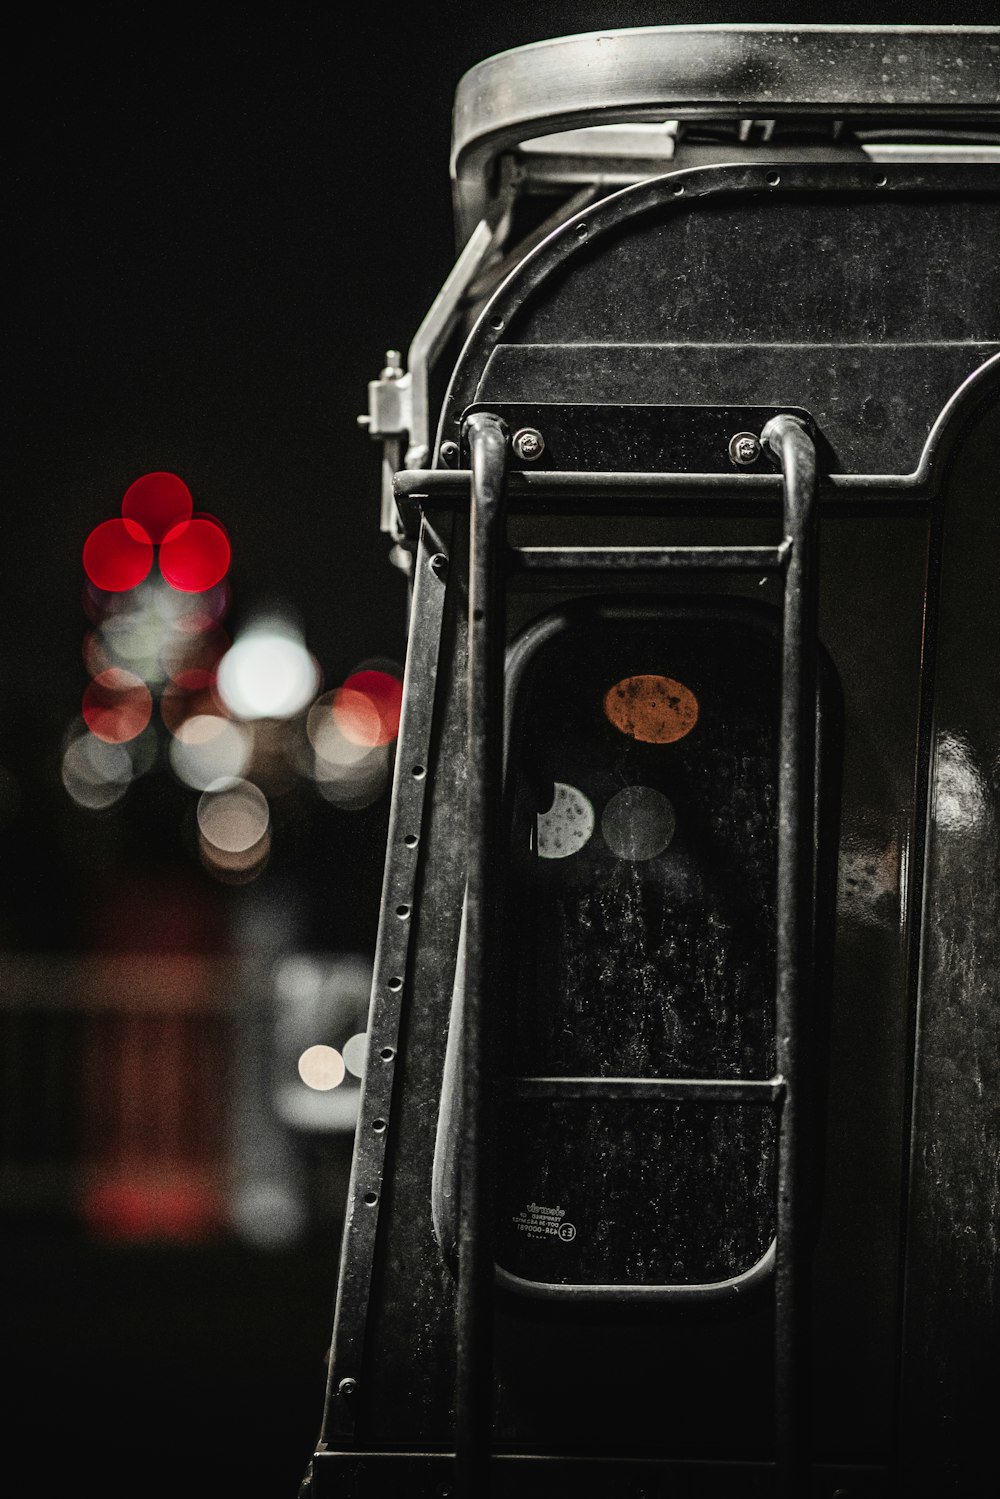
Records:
x=712, y=72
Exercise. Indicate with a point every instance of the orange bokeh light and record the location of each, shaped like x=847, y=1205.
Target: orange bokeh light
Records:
x=117, y=705
x=367, y=707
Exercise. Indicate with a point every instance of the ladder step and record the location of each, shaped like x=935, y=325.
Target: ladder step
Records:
x=727, y=1090
x=649, y=558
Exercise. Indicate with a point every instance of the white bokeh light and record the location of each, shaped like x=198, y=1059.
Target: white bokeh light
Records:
x=207, y=748
x=233, y=815
x=322, y=1068
x=268, y=673
x=95, y=773
x=356, y=1053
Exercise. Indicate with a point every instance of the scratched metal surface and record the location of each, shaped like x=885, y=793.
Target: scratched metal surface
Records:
x=660, y=966
x=711, y=1373
x=951, y=1327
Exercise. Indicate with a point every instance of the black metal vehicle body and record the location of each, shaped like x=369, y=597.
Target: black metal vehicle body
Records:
x=677, y=1162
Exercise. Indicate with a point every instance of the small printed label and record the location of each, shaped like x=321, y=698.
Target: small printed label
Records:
x=539, y=1222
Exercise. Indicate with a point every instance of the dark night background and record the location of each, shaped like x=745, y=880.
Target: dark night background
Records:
x=219, y=223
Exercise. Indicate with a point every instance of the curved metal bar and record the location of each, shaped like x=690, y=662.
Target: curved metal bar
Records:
x=711, y=71
x=487, y=439
x=677, y=1295
x=789, y=440
x=958, y=411
x=435, y=330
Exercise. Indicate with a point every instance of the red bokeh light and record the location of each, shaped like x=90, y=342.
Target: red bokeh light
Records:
x=366, y=709
x=357, y=717
x=195, y=555
x=117, y=555
x=158, y=502
x=117, y=706
x=132, y=1208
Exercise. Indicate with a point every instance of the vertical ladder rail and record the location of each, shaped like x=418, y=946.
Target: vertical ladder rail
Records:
x=789, y=439
x=474, y=1314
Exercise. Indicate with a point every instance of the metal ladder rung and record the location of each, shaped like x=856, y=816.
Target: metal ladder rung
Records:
x=728, y=1090
x=650, y=558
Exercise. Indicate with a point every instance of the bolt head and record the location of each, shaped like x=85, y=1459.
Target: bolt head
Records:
x=449, y=452
x=347, y=1386
x=528, y=444
x=744, y=448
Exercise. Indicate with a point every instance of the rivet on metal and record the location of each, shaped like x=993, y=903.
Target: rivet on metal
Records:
x=744, y=448
x=347, y=1387
x=439, y=564
x=449, y=452
x=528, y=444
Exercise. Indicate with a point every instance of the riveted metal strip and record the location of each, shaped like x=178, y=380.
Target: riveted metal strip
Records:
x=389, y=986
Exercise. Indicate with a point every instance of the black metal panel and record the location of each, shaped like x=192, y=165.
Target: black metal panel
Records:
x=787, y=265
x=905, y=386
x=951, y=1330
x=640, y=437
x=594, y=1193
x=755, y=257
x=421, y=1475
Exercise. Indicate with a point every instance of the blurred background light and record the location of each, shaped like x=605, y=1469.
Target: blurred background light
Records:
x=354, y=787
x=268, y=673
x=126, y=641
x=117, y=555
x=234, y=829
x=94, y=772
x=320, y=1007
x=367, y=707
x=356, y=717
x=143, y=750
x=155, y=632
x=158, y=502
x=234, y=866
x=195, y=644
x=233, y=815
x=158, y=1209
x=328, y=739
x=195, y=555
x=322, y=1068
x=187, y=695
x=117, y=705
x=270, y=1215
x=349, y=774
x=207, y=748
x=355, y=1053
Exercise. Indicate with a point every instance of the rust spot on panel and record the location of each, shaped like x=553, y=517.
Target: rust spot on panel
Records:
x=656, y=710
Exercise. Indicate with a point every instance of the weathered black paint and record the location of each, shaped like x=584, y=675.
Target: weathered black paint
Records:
x=866, y=304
